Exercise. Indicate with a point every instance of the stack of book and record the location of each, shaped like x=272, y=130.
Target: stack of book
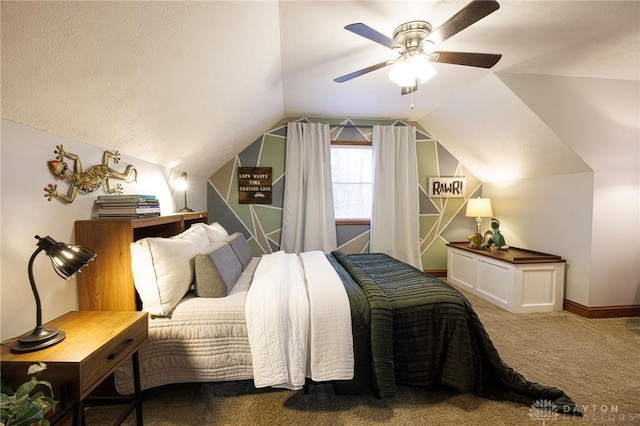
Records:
x=127, y=206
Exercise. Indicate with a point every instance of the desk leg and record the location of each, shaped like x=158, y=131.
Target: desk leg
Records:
x=136, y=387
x=78, y=414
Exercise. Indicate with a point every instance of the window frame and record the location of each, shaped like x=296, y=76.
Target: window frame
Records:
x=346, y=221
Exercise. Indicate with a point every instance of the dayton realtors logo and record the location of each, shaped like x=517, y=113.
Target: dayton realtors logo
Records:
x=543, y=410
x=546, y=411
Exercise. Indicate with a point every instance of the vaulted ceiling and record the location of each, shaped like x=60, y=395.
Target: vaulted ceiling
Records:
x=189, y=84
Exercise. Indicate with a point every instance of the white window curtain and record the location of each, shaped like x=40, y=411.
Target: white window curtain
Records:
x=308, y=221
x=395, y=226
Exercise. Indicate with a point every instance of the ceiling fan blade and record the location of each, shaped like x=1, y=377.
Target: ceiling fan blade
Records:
x=481, y=60
x=373, y=35
x=470, y=14
x=363, y=71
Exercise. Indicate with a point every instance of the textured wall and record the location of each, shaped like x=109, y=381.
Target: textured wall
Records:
x=441, y=219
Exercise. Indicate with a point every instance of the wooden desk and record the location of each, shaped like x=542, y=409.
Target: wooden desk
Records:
x=517, y=280
x=96, y=343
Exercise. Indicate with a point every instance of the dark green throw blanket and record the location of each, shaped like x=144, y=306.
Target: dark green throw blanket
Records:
x=419, y=331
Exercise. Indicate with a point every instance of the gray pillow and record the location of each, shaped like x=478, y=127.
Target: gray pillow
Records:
x=216, y=270
x=240, y=247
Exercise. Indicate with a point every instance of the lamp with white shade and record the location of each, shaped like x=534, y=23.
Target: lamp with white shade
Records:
x=479, y=208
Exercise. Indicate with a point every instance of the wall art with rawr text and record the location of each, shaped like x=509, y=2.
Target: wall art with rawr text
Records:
x=447, y=187
x=254, y=185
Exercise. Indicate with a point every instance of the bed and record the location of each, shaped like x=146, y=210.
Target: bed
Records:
x=203, y=288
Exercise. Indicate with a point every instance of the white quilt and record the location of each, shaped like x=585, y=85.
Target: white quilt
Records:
x=331, y=340
x=298, y=321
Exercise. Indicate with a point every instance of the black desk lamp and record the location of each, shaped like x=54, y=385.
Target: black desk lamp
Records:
x=66, y=259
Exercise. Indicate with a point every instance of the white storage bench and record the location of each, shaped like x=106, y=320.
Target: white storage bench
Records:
x=517, y=280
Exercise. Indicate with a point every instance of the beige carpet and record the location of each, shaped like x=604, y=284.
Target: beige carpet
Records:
x=595, y=361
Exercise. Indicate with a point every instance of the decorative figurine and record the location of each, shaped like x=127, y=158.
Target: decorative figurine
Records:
x=86, y=181
x=494, y=236
x=475, y=241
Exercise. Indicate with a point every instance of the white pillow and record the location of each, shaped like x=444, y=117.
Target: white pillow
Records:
x=163, y=268
x=215, y=231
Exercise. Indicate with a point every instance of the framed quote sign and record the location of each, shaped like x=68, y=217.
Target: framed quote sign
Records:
x=254, y=185
x=447, y=187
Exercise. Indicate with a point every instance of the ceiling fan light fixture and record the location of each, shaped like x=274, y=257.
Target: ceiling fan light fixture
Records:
x=410, y=68
x=416, y=42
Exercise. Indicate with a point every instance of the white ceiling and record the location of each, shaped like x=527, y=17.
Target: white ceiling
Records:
x=190, y=84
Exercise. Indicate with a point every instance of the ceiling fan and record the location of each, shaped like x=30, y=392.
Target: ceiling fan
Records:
x=415, y=42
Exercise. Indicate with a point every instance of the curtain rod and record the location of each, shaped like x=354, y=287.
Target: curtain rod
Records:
x=352, y=126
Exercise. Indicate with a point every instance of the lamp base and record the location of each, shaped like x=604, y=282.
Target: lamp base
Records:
x=479, y=225
x=185, y=209
x=38, y=339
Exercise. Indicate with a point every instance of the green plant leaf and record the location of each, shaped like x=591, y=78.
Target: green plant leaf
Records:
x=39, y=398
x=4, y=400
x=47, y=384
x=51, y=403
x=26, y=388
x=23, y=409
x=36, y=368
x=6, y=389
x=31, y=414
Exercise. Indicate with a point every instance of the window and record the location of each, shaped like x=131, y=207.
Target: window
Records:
x=351, y=167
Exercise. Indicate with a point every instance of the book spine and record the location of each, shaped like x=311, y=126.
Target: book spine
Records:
x=125, y=216
x=116, y=205
x=131, y=197
x=125, y=210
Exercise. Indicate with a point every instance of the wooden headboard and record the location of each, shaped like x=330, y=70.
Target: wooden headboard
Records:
x=106, y=284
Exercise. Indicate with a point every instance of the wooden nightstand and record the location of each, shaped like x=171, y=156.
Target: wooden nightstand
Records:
x=97, y=343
